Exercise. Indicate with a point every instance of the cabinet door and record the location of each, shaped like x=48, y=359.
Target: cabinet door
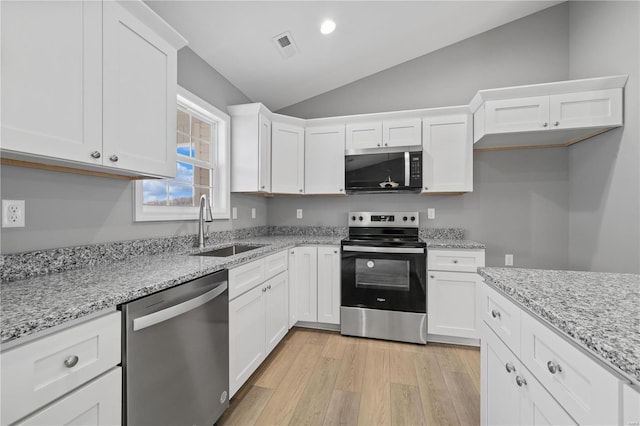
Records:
x=276, y=310
x=537, y=407
x=586, y=109
x=364, y=135
x=401, y=132
x=140, y=87
x=447, y=156
x=264, y=149
x=329, y=285
x=52, y=78
x=246, y=337
x=500, y=403
x=517, y=115
x=306, y=282
x=324, y=160
x=99, y=402
x=293, y=288
x=287, y=159
x=453, y=303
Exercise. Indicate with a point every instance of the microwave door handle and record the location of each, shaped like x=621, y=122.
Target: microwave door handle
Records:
x=399, y=250
x=407, y=169
x=179, y=309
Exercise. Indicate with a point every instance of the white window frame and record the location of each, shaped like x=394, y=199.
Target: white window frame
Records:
x=220, y=197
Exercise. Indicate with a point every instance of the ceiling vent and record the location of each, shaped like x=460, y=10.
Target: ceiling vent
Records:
x=285, y=44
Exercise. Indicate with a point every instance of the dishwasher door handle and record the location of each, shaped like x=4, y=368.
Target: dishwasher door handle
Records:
x=179, y=309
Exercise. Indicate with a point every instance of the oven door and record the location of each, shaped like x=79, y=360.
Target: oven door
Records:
x=389, y=278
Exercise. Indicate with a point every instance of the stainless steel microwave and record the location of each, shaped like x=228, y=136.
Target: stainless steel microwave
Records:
x=385, y=170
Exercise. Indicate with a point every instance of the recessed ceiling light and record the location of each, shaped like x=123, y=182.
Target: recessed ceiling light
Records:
x=327, y=27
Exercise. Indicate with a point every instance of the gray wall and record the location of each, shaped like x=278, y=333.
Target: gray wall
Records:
x=67, y=209
x=520, y=200
x=530, y=50
x=604, y=180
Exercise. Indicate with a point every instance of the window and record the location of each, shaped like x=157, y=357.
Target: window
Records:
x=202, y=136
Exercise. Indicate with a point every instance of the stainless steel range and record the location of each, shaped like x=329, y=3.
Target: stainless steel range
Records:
x=384, y=268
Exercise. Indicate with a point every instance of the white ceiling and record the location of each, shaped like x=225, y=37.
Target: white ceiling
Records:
x=235, y=38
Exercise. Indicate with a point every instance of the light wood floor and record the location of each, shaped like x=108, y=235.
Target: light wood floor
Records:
x=322, y=378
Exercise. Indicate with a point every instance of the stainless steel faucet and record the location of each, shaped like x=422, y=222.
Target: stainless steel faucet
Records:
x=204, y=216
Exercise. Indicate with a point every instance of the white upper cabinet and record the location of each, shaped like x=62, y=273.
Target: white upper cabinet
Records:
x=324, y=160
x=405, y=132
x=287, y=158
x=551, y=114
x=385, y=133
x=140, y=87
x=52, y=79
x=447, y=156
x=250, y=148
x=89, y=85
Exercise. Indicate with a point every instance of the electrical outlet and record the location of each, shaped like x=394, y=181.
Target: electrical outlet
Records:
x=431, y=213
x=508, y=260
x=234, y=213
x=253, y=213
x=13, y=213
x=299, y=214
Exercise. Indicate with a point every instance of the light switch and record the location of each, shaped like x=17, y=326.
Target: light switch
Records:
x=234, y=213
x=253, y=213
x=431, y=213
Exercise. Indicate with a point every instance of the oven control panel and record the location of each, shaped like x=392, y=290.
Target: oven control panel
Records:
x=384, y=219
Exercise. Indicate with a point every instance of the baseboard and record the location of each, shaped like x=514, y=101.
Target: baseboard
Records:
x=465, y=341
x=318, y=325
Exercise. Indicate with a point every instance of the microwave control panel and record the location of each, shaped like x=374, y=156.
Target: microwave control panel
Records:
x=415, y=170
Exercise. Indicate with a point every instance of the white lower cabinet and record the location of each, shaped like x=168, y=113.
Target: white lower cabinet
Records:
x=315, y=284
x=95, y=404
x=258, y=320
x=42, y=371
x=511, y=395
x=453, y=295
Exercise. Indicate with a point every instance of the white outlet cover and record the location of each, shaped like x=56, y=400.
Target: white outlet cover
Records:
x=431, y=213
x=13, y=213
x=234, y=213
x=299, y=213
x=253, y=213
x=508, y=260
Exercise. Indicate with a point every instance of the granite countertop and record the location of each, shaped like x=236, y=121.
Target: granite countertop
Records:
x=598, y=311
x=38, y=303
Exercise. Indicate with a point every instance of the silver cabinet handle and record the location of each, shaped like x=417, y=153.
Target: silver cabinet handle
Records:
x=545, y=124
x=495, y=313
x=553, y=367
x=557, y=123
x=113, y=158
x=71, y=361
x=510, y=367
x=520, y=381
x=179, y=309
x=95, y=154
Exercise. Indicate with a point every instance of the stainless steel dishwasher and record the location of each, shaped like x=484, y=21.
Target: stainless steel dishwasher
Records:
x=176, y=354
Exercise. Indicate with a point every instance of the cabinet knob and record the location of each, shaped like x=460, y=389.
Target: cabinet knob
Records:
x=378, y=144
x=291, y=251
x=264, y=289
x=301, y=191
x=262, y=187
x=545, y=124
x=71, y=361
x=510, y=368
x=341, y=190
x=432, y=276
x=113, y=158
x=455, y=260
x=553, y=367
x=495, y=313
x=335, y=252
x=426, y=187
x=520, y=381
x=95, y=154
x=386, y=144
x=557, y=123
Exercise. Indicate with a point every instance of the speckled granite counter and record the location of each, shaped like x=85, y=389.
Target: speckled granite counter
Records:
x=598, y=311
x=452, y=244
x=35, y=304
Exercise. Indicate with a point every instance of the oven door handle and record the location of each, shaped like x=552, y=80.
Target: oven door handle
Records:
x=398, y=250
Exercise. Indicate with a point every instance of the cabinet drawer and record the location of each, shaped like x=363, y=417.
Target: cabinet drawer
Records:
x=39, y=372
x=585, y=389
x=455, y=260
x=96, y=403
x=502, y=316
x=275, y=264
x=245, y=277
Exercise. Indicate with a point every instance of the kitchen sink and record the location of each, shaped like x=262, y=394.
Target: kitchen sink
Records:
x=228, y=251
